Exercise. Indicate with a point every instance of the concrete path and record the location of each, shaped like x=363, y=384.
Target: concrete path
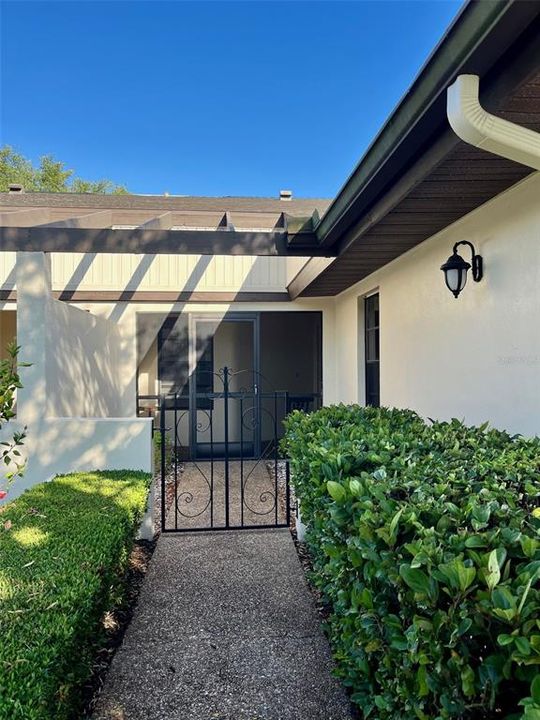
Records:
x=225, y=629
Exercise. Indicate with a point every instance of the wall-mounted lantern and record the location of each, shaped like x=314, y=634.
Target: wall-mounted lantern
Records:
x=455, y=269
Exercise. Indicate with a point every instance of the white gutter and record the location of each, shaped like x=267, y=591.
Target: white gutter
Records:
x=477, y=127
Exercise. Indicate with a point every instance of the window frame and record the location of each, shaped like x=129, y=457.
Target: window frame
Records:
x=372, y=366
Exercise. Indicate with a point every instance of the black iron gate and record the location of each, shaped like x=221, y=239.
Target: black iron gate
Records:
x=220, y=461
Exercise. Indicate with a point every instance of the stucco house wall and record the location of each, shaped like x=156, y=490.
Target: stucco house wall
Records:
x=476, y=357
x=82, y=363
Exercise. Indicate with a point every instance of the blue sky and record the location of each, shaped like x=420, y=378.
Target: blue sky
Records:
x=210, y=98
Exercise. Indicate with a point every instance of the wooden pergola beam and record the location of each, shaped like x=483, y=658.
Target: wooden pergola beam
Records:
x=143, y=240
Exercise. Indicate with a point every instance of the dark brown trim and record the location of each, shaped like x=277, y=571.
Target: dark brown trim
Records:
x=156, y=296
x=154, y=241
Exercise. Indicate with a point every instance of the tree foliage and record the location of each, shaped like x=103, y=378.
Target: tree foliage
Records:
x=50, y=175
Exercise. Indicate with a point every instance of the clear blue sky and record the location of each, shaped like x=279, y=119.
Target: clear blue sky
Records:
x=204, y=98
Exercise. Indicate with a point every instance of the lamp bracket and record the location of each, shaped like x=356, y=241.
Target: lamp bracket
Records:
x=477, y=262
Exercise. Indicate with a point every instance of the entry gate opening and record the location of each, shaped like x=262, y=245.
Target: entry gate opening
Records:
x=221, y=466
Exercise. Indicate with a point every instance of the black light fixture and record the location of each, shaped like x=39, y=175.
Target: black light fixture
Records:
x=455, y=269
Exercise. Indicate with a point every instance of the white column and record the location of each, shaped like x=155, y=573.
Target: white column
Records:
x=33, y=276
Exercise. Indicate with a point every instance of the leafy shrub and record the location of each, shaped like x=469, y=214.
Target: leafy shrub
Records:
x=425, y=545
x=10, y=456
x=63, y=547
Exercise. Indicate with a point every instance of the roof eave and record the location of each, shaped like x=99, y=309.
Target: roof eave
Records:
x=474, y=42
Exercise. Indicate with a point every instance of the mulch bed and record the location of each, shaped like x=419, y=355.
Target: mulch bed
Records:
x=169, y=495
x=323, y=608
x=116, y=621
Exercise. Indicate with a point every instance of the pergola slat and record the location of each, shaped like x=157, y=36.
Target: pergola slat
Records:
x=164, y=221
x=98, y=219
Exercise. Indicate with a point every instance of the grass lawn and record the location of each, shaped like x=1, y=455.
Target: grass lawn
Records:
x=64, y=546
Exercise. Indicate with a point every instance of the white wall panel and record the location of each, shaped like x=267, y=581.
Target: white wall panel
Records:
x=77, y=271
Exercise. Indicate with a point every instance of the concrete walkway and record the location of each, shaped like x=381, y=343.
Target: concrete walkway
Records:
x=225, y=629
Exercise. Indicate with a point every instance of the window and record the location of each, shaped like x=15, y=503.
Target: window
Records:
x=371, y=324
x=205, y=331
x=173, y=358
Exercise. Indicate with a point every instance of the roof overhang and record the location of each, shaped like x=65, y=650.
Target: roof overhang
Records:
x=418, y=177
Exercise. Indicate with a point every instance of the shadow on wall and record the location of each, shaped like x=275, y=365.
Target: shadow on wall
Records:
x=82, y=381
x=78, y=275
x=99, y=363
x=91, y=364
x=148, y=331
x=119, y=309
x=82, y=364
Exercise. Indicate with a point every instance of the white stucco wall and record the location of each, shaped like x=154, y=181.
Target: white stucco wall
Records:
x=476, y=357
x=52, y=336
x=82, y=356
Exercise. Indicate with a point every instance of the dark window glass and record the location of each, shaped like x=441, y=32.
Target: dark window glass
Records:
x=173, y=360
x=173, y=356
x=371, y=316
x=204, y=352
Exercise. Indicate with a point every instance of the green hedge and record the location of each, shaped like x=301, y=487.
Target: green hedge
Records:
x=63, y=547
x=425, y=545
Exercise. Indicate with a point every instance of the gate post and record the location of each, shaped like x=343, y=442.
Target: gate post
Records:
x=226, y=438
x=162, y=431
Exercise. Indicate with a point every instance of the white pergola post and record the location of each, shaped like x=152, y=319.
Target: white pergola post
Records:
x=33, y=277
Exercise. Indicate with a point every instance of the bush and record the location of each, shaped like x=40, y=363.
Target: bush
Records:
x=425, y=545
x=10, y=456
x=63, y=547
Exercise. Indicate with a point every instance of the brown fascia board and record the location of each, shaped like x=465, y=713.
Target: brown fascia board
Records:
x=475, y=43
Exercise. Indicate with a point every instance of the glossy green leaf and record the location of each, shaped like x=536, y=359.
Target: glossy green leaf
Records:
x=336, y=490
x=416, y=579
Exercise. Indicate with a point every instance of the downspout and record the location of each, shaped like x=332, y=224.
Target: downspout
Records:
x=480, y=128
